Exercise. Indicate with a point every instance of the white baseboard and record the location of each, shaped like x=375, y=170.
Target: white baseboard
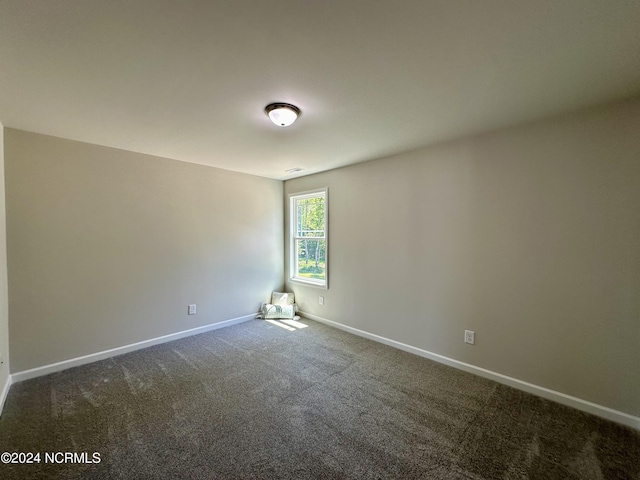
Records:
x=94, y=357
x=4, y=392
x=577, y=403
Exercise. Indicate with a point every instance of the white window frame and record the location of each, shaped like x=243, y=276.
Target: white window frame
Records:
x=293, y=258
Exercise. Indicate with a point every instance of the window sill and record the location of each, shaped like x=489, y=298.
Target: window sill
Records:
x=310, y=283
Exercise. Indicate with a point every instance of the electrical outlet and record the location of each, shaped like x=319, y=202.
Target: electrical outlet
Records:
x=321, y=300
x=192, y=309
x=469, y=337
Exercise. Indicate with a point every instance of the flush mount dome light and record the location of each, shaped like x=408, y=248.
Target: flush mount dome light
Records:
x=282, y=114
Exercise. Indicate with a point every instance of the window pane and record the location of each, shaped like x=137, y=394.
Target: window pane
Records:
x=308, y=238
x=310, y=217
x=311, y=256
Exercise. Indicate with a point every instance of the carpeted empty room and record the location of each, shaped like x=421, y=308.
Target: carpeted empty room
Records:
x=258, y=400
x=331, y=239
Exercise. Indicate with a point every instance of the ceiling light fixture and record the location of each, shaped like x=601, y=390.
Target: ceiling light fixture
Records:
x=282, y=114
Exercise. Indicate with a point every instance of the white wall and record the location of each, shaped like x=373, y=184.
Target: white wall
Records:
x=529, y=236
x=107, y=248
x=4, y=309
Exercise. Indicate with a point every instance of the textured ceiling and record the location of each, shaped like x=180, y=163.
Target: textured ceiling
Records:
x=189, y=79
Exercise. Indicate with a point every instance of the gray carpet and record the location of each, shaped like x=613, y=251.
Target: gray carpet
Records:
x=258, y=401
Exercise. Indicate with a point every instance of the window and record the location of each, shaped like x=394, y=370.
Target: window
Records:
x=308, y=262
